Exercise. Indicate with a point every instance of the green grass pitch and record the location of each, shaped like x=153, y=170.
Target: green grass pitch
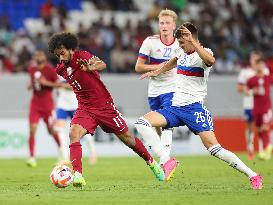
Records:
x=127, y=180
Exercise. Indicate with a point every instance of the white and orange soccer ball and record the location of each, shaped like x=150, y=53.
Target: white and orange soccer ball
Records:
x=61, y=176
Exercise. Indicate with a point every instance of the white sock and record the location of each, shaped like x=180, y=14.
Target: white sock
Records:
x=166, y=139
x=151, y=138
x=249, y=140
x=91, y=143
x=63, y=150
x=231, y=159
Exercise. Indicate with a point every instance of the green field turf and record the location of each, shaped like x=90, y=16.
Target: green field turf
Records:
x=198, y=180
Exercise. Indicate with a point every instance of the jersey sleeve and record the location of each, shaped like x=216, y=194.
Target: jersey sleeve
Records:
x=53, y=75
x=241, y=78
x=145, y=49
x=85, y=55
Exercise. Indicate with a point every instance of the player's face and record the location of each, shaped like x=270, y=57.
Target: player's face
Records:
x=166, y=25
x=64, y=55
x=253, y=59
x=40, y=59
x=184, y=44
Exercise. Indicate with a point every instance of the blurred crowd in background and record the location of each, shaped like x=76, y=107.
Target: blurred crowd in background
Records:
x=231, y=28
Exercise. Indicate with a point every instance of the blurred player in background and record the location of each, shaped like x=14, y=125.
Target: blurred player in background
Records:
x=193, y=63
x=243, y=77
x=259, y=85
x=65, y=108
x=95, y=104
x=43, y=80
x=154, y=52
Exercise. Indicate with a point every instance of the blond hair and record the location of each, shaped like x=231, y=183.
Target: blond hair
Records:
x=168, y=12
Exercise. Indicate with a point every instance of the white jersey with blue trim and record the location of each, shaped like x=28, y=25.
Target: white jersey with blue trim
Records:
x=243, y=77
x=156, y=52
x=192, y=77
x=66, y=99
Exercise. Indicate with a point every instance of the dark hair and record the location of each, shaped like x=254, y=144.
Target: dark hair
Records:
x=68, y=40
x=192, y=28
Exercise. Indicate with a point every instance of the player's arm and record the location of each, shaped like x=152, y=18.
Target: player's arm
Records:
x=240, y=88
x=249, y=89
x=44, y=82
x=93, y=64
x=141, y=67
x=29, y=86
x=206, y=56
x=166, y=67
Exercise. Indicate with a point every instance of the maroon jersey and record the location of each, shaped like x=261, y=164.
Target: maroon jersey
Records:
x=42, y=95
x=90, y=91
x=262, y=101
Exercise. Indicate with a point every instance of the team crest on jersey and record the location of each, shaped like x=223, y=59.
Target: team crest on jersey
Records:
x=69, y=71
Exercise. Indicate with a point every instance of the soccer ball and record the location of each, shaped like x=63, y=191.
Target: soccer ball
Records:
x=61, y=176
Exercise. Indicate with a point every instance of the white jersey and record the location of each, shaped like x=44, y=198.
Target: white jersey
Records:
x=157, y=52
x=191, y=84
x=66, y=99
x=244, y=76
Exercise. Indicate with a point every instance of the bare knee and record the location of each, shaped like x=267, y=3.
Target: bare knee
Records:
x=76, y=132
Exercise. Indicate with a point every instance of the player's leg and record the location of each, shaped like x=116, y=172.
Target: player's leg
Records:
x=92, y=149
x=249, y=134
x=59, y=127
x=49, y=119
x=75, y=134
x=210, y=142
x=144, y=126
x=34, y=118
x=264, y=132
x=137, y=146
x=81, y=124
x=166, y=134
x=31, y=162
x=111, y=121
x=262, y=122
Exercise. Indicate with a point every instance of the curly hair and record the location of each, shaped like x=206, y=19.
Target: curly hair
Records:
x=67, y=40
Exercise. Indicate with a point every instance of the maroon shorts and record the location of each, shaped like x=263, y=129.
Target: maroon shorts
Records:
x=108, y=118
x=263, y=118
x=47, y=116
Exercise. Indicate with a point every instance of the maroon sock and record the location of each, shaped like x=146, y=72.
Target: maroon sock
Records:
x=76, y=156
x=31, y=144
x=265, y=138
x=140, y=149
x=57, y=139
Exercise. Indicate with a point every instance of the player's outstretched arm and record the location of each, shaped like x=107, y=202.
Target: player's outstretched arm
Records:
x=166, y=67
x=141, y=67
x=93, y=64
x=43, y=81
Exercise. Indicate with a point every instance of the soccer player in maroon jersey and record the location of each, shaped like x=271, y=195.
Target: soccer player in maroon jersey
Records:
x=43, y=78
x=95, y=104
x=262, y=109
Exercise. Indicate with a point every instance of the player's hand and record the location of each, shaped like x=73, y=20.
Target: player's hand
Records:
x=29, y=86
x=186, y=34
x=84, y=64
x=42, y=80
x=149, y=74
